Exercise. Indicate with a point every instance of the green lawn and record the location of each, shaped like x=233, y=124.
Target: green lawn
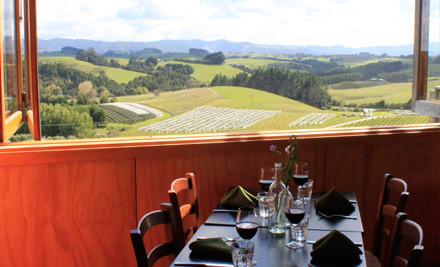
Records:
x=119, y=75
x=391, y=93
x=354, y=62
x=205, y=73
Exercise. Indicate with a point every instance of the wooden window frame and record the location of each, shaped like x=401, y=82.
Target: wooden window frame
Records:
x=420, y=104
x=27, y=100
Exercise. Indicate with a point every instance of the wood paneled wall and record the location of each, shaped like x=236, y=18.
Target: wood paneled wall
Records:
x=68, y=204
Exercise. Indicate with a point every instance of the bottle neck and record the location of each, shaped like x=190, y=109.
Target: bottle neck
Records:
x=278, y=173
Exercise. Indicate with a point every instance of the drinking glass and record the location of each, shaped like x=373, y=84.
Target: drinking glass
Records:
x=246, y=222
x=295, y=213
x=246, y=225
x=266, y=178
x=300, y=173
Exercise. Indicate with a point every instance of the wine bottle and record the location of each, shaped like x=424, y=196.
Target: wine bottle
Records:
x=279, y=191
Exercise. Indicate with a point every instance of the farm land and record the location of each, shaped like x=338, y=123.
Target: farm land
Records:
x=280, y=113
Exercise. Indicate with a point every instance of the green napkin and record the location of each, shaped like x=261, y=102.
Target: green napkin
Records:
x=239, y=197
x=214, y=248
x=335, y=247
x=334, y=203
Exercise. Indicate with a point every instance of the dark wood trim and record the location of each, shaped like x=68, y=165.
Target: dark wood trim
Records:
x=420, y=55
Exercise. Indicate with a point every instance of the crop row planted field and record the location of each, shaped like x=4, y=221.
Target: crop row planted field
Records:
x=388, y=120
x=116, y=74
x=210, y=119
x=129, y=113
x=252, y=63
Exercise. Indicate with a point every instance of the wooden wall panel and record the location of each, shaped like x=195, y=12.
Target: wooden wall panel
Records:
x=81, y=209
x=73, y=214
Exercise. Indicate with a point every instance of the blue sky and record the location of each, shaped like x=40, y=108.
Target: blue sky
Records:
x=352, y=23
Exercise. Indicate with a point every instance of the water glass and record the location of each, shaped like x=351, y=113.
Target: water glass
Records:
x=299, y=233
x=242, y=253
x=265, y=204
x=306, y=191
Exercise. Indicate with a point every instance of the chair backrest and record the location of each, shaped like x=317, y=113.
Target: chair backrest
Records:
x=186, y=212
x=163, y=216
x=413, y=233
x=387, y=210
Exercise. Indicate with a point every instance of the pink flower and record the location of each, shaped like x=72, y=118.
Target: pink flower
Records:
x=273, y=148
x=287, y=149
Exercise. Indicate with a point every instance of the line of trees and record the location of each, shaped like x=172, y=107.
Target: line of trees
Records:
x=300, y=86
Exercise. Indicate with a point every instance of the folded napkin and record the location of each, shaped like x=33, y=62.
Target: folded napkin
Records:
x=334, y=203
x=239, y=197
x=334, y=248
x=211, y=248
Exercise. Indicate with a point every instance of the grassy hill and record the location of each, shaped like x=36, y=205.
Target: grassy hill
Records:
x=252, y=63
x=391, y=93
x=205, y=73
x=119, y=75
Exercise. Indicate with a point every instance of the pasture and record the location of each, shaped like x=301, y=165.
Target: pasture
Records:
x=116, y=74
x=391, y=93
x=205, y=73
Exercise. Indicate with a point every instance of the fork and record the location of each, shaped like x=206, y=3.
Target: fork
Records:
x=336, y=216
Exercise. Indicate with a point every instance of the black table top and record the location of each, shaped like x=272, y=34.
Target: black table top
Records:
x=270, y=250
x=222, y=216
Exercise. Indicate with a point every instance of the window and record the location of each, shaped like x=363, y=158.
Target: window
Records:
x=426, y=27
x=19, y=94
x=172, y=83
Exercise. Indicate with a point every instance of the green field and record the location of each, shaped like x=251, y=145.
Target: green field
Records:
x=393, y=93
x=205, y=73
x=252, y=63
x=350, y=61
x=119, y=75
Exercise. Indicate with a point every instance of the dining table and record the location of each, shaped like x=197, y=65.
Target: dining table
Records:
x=270, y=249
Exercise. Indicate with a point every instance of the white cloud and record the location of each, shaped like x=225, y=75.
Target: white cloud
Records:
x=352, y=23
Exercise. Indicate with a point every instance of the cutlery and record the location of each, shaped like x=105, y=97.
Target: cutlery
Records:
x=226, y=239
x=336, y=216
x=202, y=264
x=223, y=210
x=313, y=242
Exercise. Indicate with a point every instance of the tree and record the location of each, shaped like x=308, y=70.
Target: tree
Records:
x=151, y=62
x=82, y=55
x=215, y=58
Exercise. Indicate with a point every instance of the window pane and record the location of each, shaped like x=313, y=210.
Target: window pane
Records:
x=9, y=70
x=434, y=49
x=220, y=66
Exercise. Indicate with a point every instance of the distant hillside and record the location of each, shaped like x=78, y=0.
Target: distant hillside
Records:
x=179, y=46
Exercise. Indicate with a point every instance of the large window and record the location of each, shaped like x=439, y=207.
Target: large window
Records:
x=146, y=68
x=19, y=94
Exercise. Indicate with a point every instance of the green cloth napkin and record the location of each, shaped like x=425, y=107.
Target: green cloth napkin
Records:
x=334, y=203
x=335, y=247
x=239, y=197
x=211, y=248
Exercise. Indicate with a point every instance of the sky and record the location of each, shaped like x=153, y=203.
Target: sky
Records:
x=351, y=23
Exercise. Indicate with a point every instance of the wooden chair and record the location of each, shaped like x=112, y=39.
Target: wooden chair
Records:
x=392, y=200
x=413, y=234
x=183, y=197
x=163, y=216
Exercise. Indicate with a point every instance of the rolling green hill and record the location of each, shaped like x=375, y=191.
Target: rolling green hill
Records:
x=391, y=93
x=119, y=75
x=205, y=73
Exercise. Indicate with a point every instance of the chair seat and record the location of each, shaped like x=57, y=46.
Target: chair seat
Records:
x=371, y=259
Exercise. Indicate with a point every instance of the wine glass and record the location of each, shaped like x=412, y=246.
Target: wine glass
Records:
x=295, y=213
x=246, y=224
x=266, y=178
x=300, y=173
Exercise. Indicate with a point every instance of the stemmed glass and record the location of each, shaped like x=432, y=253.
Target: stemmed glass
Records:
x=295, y=213
x=246, y=224
x=300, y=173
x=266, y=178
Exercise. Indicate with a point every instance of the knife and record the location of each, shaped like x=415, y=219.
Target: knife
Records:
x=202, y=264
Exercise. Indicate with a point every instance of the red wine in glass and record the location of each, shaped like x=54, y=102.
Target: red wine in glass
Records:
x=246, y=230
x=265, y=184
x=295, y=216
x=300, y=179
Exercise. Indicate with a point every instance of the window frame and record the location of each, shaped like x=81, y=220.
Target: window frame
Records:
x=420, y=104
x=30, y=100
x=27, y=102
